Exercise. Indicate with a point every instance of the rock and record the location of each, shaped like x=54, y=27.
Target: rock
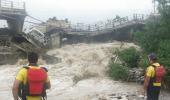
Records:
x=136, y=75
x=119, y=97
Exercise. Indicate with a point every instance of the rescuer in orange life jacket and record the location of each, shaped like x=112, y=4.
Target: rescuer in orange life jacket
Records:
x=153, y=77
x=32, y=81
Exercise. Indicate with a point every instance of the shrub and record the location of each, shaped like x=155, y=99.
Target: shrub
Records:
x=118, y=72
x=164, y=53
x=129, y=57
x=144, y=62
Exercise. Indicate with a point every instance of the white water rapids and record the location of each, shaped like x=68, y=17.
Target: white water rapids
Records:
x=80, y=75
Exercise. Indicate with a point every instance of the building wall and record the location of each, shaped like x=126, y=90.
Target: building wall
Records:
x=53, y=23
x=55, y=40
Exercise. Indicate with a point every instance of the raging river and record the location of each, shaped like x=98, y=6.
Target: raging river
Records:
x=80, y=74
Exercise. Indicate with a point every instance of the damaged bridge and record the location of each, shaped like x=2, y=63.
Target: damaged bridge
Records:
x=14, y=43
x=118, y=30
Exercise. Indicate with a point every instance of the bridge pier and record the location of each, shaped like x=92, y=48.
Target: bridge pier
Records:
x=16, y=25
x=14, y=13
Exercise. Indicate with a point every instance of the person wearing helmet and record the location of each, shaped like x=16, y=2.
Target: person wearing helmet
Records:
x=153, y=77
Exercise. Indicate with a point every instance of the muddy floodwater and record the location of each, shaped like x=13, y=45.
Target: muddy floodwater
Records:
x=81, y=74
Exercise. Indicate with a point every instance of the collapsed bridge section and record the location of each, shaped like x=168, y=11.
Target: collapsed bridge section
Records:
x=14, y=43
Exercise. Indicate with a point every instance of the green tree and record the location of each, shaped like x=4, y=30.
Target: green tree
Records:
x=157, y=29
x=156, y=35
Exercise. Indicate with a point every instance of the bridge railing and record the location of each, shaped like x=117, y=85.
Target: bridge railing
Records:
x=11, y=4
x=111, y=23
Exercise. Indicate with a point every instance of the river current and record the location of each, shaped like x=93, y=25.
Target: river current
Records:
x=80, y=74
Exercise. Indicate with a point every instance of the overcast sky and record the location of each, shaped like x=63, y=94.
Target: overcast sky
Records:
x=86, y=11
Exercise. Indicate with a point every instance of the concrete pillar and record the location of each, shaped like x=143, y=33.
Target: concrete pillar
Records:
x=55, y=40
x=16, y=25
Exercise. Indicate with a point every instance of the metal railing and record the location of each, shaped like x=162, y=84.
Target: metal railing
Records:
x=111, y=23
x=11, y=4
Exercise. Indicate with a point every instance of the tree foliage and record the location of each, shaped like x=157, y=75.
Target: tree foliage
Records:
x=156, y=35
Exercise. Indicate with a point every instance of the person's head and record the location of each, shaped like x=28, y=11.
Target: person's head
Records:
x=32, y=57
x=152, y=57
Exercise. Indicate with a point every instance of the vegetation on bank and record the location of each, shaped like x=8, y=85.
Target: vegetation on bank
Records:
x=156, y=34
x=118, y=72
x=155, y=37
x=129, y=58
